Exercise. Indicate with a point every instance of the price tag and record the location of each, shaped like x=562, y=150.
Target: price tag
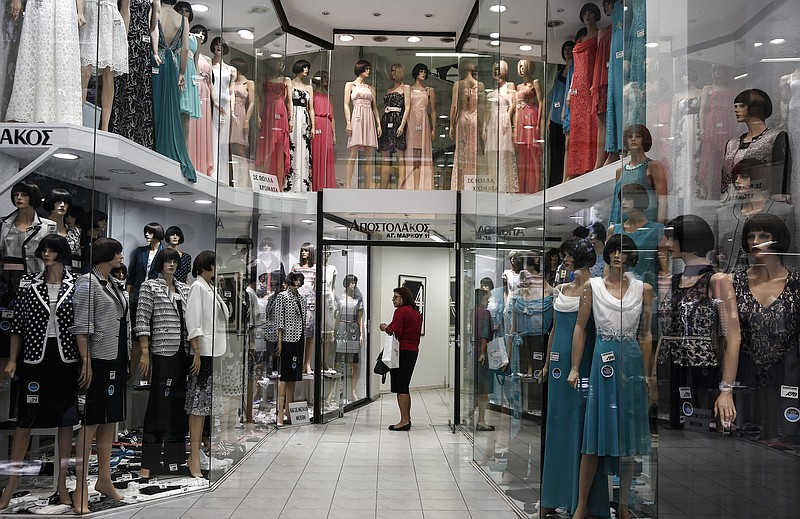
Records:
x=620, y=54
x=685, y=392
x=640, y=33
x=112, y=375
x=419, y=127
x=390, y=125
x=146, y=38
x=557, y=104
x=42, y=502
x=538, y=355
x=33, y=399
x=25, y=283
x=155, y=70
x=789, y=392
x=555, y=356
x=173, y=467
x=608, y=356
x=573, y=91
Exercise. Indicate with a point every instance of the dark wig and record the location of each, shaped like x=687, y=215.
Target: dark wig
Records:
x=56, y=243
x=361, y=66
x=637, y=193
x=692, y=233
x=568, y=43
x=156, y=229
x=592, y=8
x=104, y=250
x=57, y=195
x=218, y=41
x=419, y=67
x=583, y=254
x=637, y=129
x=621, y=243
x=173, y=230
x=299, y=65
x=487, y=282
x=240, y=65
x=295, y=277
x=200, y=29
x=30, y=189
x=163, y=256
x=204, y=261
x=757, y=101
x=770, y=223
x=179, y=6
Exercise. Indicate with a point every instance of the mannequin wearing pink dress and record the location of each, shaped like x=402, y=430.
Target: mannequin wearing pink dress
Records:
x=419, y=151
x=363, y=124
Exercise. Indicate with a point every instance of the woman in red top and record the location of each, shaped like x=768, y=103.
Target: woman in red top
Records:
x=406, y=326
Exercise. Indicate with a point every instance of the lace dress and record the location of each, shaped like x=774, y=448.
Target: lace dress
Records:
x=638, y=59
x=793, y=128
x=466, y=153
x=582, y=152
x=299, y=177
x=418, y=140
x=394, y=106
x=9, y=45
x=104, y=43
x=527, y=140
x=501, y=166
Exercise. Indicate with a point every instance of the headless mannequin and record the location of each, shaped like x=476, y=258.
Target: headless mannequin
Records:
x=511, y=276
x=299, y=82
x=307, y=261
x=468, y=81
x=396, y=76
x=350, y=291
x=603, y=157
x=369, y=159
x=414, y=169
x=786, y=94
x=590, y=24
x=225, y=107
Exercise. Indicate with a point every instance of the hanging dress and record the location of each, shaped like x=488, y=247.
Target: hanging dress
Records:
x=718, y=126
x=527, y=140
x=240, y=97
x=614, y=100
x=633, y=175
x=190, y=95
x=299, y=177
x=221, y=124
x=393, y=109
x=166, y=104
x=466, y=152
x=582, y=153
x=272, y=151
x=362, y=120
x=323, y=169
x=501, y=167
x=418, y=140
x=793, y=128
x=201, y=140
x=132, y=115
x=47, y=81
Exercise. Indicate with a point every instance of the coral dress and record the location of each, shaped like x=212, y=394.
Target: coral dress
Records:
x=273, y=139
x=418, y=140
x=200, y=142
x=527, y=139
x=600, y=79
x=466, y=154
x=362, y=121
x=323, y=170
x=582, y=153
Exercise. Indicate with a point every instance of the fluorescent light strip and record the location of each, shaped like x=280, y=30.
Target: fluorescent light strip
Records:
x=778, y=60
x=450, y=55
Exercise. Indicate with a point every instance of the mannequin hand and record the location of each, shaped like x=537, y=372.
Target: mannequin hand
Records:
x=400, y=130
x=573, y=378
x=433, y=130
x=291, y=124
x=85, y=376
x=194, y=369
x=258, y=121
x=652, y=389
x=81, y=20
x=380, y=131
x=452, y=135
x=246, y=126
x=334, y=139
x=144, y=364
x=157, y=59
x=279, y=347
x=11, y=368
x=181, y=82
x=724, y=408
x=543, y=376
x=15, y=9
x=349, y=129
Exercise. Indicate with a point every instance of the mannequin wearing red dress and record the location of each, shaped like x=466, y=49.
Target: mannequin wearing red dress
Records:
x=582, y=152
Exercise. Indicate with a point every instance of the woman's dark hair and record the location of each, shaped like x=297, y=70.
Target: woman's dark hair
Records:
x=770, y=223
x=548, y=258
x=172, y=230
x=179, y=6
x=583, y=254
x=581, y=33
x=419, y=67
x=592, y=8
x=104, y=250
x=637, y=129
x=692, y=233
x=156, y=229
x=240, y=65
x=301, y=64
x=757, y=101
x=622, y=243
x=360, y=66
x=245, y=240
x=200, y=29
x=57, y=195
x=533, y=261
x=163, y=256
x=599, y=231
x=219, y=41
x=57, y=243
x=206, y=260
x=488, y=282
x=406, y=295
x=568, y=43
x=30, y=189
x=479, y=295
x=294, y=277
x=755, y=170
x=95, y=217
x=637, y=193
x=312, y=254
x=580, y=232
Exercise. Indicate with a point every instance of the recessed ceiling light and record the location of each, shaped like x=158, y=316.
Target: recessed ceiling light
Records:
x=325, y=13
x=376, y=14
x=200, y=8
x=428, y=15
x=494, y=35
x=519, y=228
x=651, y=44
x=413, y=39
x=494, y=43
x=525, y=48
x=777, y=41
x=540, y=228
x=203, y=201
x=162, y=199
x=276, y=55
x=779, y=60
x=307, y=221
x=345, y=37
x=757, y=44
x=557, y=207
x=497, y=8
x=154, y=183
x=380, y=38
x=122, y=171
x=270, y=226
x=66, y=156
x=245, y=34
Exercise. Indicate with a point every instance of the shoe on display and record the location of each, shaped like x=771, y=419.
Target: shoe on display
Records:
x=483, y=426
x=204, y=460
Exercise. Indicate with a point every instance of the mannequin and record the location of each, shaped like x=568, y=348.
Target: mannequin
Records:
x=466, y=103
x=257, y=360
x=102, y=332
x=323, y=169
x=597, y=237
x=419, y=154
x=529, y=118
x=307, y=268
x=350, y=330
x=686, y=124
x=767, y=144
x=636, y=59
x=173, y=53
x=275, y=122
x=583, y=114
x=716, y=127
x=751, y=185
x=565, y=108
x=221, y=75
x=767, y=295
x=47, y=94
x=244, y=91
x=616, y=424
x=329, y=302
x=614, y=122
x=58, y=202
x=161, y=329
x=643, y=171
x=299, y=177
x=511, y=276
x=501, y=172
x=790, y=105
x=566, y=407
x=393, y=127
x=132, y=115
x=558, y=95
x=200, y=141
x=362, y=124
x=51, y=359
x=531, y=308
x=600, y=83
x=190, y=94
x=291, y=317
x=140, y=267
x=175, y=238
x=104, y=49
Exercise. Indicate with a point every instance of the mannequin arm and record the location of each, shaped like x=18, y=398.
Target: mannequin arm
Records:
x=287, y=99
x=723, y=290
x=453, y=110
x=645, y=333
x=406, y=103
x=512, y=106
x=537, y=88
x=197, y=58
x=251, y=103
x=786, y=94
x=579, y=335
x=15, y=9
x=311, y=114
x=432, y=102
x=347, y=114
x=155, y=10
x=81, y=19
x=659, y=178
x=125, y=12
x=375, y=113
x=360, y=323
x=11, y=365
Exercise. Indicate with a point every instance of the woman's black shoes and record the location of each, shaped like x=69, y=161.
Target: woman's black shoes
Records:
x=406, y=427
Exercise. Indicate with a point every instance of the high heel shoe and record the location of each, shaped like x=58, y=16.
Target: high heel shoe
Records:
x=406, y=427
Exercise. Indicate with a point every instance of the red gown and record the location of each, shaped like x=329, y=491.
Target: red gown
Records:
x=529, y=166
x=600, y=80
x=582, y=153
x=323, y=171
x=273, y=138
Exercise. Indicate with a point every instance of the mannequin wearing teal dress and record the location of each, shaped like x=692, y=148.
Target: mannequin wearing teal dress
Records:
x=633, y=175
x=614, y=107
x=190, y=96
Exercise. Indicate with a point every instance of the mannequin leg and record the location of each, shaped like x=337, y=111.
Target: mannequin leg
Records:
x=64, y=450
x=280, y=404
x=308, y=354
x=625, y=478
x=601, y=141
x=585, y=479
x=83, y=448
x=417, y=167
x=185, y=124
x=385, y=169
x=195, y=439
x=565, y=177
x=107, y=100
x=351, y=166
x=354, y=380
x=104, y=485
x=288, y=398
x=369, y=168
x=86, y=73
x=18, y=450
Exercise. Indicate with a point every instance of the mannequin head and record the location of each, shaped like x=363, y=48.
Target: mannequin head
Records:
x=689, y=234
x=26, y=195
x=621, y=243
x=362, y=68
x=633, y=197
x=487, y=284
x=185, y=8
x=174, y=235
x=526, y=68
x=566, y=50
x=301, y=68
x=500, y=70
x=580, y=232
x=551, y=260
x=750, y=177
x=219, y=47
x=241, y=67
x=533, y=262
x=295, y=280
x=590, y=14
x=765, y=232
x=320, y=79
x=57, y=201
x=107, y=250
x=420, y=72
x=637, y=137
x=597, y=232
x=98, y=220
x=308, y=255
x=58, y=245
x=608, y=6
x=243, y=244
x=201, y=32
x=120, y=273
x=397, y=72
x=205, y=265
x=167, y=261
x=516, y=260
x=350, y=284
x=752, y=104
x=465, y=68
x=581, y=254
x=76, y=216
x=153, y=232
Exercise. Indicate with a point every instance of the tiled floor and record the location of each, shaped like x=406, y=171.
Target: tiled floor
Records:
x=352, y=468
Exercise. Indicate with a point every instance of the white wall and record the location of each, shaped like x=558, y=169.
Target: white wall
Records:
x=433, y=264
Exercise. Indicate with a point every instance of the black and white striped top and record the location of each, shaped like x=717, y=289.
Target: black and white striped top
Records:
x=157, y=315
x=100, y=308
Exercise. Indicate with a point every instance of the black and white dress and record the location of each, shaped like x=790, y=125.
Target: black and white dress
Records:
x=299, y=177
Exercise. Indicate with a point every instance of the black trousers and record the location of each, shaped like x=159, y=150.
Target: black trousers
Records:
x=165, y=421
x=556, y=147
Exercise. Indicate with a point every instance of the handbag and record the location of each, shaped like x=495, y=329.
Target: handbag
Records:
x=381, y=368
x=498, y=354
x=391, y=352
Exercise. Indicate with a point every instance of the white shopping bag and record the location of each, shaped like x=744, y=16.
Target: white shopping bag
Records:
x=391, y=352
x=498, y=354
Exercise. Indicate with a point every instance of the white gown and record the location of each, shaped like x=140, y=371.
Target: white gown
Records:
x=221, y=126
x=793, y=128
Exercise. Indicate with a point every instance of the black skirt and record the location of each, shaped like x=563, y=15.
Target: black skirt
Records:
x=292, y=360
x=105, y=396
x=48, y=395
x=401, y=377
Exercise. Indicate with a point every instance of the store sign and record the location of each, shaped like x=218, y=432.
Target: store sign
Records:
x=489, y=232
x=264, y=182
x=394, y=230
x=298, y=412
x=26, y=137
x=699, y=419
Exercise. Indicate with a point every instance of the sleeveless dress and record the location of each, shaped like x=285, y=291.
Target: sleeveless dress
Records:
x=501, y=167
x=362, y=120
x=394, y=106
x=221, y=125
x=132, y=116
x=527, y=140
x=166, y=104
x=104, y=43
x=47, y=81
x=614, y=101
x=190, y=96
x=323, y=168
x=466, y=152
x=348, y=333
x=566, y=408
x=600, y=74
x=638, y=58
x=616, y=423
x=201, y=140
x=419, y=138
x=567, y=109
x=718, y=125
x=299, y=177
x=582, y=153
x=555, y=142
x=633, y=175
x=686, y=142
x=273, y=138
x=240, y=97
